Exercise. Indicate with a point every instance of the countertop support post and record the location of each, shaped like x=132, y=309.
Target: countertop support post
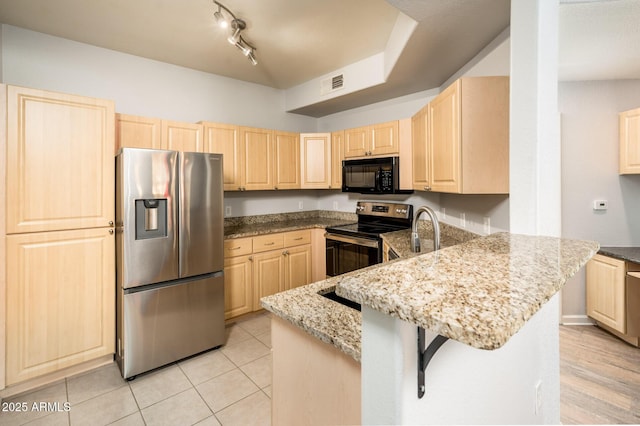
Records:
x=425, y=355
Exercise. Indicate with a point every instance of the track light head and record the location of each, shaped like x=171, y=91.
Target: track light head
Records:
x=237, y=26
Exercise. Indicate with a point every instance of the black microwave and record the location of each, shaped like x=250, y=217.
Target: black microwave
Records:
x=372, y=176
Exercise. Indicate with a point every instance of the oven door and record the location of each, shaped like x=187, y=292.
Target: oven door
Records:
x=346, y=253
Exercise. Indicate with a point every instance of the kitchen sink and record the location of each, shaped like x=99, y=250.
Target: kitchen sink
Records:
x=346, y=302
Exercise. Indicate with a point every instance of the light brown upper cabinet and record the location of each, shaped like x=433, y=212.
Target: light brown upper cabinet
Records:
x=179, y=136
x=225, y=139
x=630, y=141
x=259, y=158
x=133, y=131
x=315, y=160
x=377, y=139
x=337, y=155
x=420, y=148
x=468, y=134
x=60, y=169
x=287, y=160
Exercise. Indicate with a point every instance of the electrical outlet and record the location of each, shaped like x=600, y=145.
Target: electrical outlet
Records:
x=463, y=220
x=487, y=225
x=335, y=205
x=227, y=211
x=300, y=205
x=538, y=401
x=600, y=205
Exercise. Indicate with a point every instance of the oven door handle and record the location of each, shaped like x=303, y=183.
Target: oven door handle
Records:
x=352, y=240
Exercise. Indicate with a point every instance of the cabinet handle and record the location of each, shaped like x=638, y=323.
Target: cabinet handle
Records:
x=110, y=223
x=275, y=187
x=235, y=248
x=250, y=258
x=297, y=239
x=269, y=244
x=110, y=231
x=427, y=188
x=285, y=253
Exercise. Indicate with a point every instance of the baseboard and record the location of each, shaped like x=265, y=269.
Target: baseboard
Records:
x=576, y=320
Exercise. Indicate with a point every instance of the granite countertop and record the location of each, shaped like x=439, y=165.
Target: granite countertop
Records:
x=400, y=241
x=250, y=226
x=630, y=254
x=480, y=292
x=332, y=322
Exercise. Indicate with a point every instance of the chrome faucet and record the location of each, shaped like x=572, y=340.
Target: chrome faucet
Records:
x=415, y=238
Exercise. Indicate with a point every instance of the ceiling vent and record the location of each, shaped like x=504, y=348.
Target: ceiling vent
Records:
x=332, y=84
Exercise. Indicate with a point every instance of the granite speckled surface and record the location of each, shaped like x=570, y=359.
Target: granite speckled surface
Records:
x=400, y=241
x=479, y=293
x=250, y=226
x=630, y=254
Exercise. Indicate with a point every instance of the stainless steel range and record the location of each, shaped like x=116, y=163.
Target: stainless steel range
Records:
x=358, y=245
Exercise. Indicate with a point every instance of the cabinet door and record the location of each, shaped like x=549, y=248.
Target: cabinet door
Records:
x=606, y=291
x=384, y=139
x=287, y=160
x=444, y=137
x=630, y=141
x=257, y=146
x=268, y=275
x=238, y=289
x=60, y=167
x=315, y=160
x=178, y=136
x=337, y=155
x=298, y=266
x=60, y=300
x=420, y=149
x=225, y=139
x=138, y=132
x=356, y=142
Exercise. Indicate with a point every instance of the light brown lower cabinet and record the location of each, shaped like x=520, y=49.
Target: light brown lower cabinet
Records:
x=264, y=265
x=613, y=290
x=60, y=301
x=238, y=293
x=605, y=291
x=304, y=389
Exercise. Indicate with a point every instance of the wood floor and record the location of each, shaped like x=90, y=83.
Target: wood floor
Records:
x=599, y=378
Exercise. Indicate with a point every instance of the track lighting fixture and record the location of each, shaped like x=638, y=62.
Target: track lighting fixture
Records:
x=237, y=26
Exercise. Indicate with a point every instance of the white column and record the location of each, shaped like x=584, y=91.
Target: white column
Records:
x=535, y=177
x=534, y=199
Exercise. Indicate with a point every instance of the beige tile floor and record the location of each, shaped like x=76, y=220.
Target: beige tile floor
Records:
x=227, y=386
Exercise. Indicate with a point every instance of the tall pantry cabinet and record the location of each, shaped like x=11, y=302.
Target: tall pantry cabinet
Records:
x=59, y=236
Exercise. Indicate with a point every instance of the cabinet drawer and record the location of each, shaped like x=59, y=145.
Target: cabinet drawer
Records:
x=267, y=242
x=297, y=238
x=237, y=247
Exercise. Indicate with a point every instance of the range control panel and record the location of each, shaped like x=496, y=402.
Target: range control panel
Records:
x=384, y=209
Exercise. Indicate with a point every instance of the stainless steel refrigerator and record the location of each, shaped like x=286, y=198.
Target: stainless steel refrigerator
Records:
x=169, y=243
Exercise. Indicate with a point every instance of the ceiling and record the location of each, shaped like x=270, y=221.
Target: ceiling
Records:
x=298, y=41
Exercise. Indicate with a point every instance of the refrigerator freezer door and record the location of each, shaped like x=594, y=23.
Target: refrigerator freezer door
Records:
x=201, y=214
x=168, y=323
x=146, y=215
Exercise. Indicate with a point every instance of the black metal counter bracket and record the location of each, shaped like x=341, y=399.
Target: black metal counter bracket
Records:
x=425, y=355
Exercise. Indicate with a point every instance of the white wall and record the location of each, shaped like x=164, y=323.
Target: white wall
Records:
x=141, y=86
x=589, y=112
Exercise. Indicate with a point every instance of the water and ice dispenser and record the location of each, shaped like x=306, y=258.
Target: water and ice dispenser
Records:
x=151, y=218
